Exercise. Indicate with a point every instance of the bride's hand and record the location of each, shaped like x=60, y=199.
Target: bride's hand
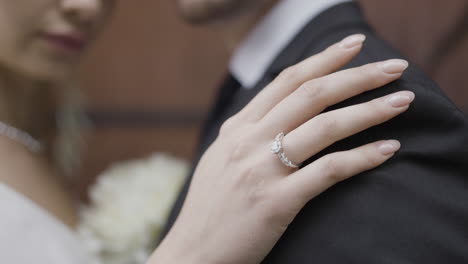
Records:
x=242, y=197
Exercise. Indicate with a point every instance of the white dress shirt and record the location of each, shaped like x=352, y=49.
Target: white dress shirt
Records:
x=271, y=35
x=29, y=234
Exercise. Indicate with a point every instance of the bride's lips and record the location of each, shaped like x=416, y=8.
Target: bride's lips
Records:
x=69, y=43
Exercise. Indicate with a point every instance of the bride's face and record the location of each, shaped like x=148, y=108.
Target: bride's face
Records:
x=44, y=39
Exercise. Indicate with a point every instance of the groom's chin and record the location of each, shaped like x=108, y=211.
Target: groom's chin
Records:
x=211, y=11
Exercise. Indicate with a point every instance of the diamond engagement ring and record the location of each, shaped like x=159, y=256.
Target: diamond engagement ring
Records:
x=277, y=148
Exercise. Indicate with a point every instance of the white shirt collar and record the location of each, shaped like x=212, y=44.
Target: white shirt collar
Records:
x=271, y=35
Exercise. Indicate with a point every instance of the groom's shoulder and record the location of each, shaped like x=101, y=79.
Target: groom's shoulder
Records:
x=431, y=117
x=365, y=219
x=430, y=97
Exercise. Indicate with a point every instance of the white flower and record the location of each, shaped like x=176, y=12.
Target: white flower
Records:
x=129, y=206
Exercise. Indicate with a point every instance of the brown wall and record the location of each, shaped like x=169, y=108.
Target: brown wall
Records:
x=150, y=78
x=157, y=69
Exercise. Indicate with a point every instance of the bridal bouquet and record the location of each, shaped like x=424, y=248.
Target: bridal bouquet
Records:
x=129, y=206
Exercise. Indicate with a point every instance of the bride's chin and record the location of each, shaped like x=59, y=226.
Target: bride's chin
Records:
x=45, y=64
x=49, y=71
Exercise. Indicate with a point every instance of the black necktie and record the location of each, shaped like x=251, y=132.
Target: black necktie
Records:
x=224, y=98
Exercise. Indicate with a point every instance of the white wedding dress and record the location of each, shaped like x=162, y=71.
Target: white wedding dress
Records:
x=30, y=235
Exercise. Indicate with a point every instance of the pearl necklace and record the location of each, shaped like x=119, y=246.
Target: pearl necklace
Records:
x=21, y=137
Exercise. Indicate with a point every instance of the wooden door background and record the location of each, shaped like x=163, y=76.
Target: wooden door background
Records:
x=150, y=78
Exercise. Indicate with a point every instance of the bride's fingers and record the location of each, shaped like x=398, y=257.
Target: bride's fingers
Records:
x=320, y=175
x=314, y=96
x=316, y=66
x=328, y=128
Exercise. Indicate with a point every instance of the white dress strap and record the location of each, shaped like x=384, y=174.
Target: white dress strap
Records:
x=28, y=234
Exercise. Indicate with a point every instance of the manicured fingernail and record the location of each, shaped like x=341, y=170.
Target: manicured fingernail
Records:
x=389, y=147
x=393, y=66
x=401, y=99
x=352, y=41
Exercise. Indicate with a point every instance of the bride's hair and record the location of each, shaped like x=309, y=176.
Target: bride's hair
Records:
x=71, y=125
x=62, y=132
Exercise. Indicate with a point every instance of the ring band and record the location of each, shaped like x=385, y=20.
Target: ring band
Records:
x=277, y=148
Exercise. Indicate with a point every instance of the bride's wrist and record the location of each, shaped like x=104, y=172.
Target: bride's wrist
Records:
x=176, y=250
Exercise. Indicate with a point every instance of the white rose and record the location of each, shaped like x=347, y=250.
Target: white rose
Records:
x=130, y=203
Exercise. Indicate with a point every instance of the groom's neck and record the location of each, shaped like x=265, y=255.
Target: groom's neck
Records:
x=236, y=29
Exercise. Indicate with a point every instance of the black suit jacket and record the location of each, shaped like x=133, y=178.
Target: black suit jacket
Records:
x=414, y=208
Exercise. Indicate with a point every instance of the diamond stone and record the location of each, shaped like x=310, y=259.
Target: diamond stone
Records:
x=276, y=147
